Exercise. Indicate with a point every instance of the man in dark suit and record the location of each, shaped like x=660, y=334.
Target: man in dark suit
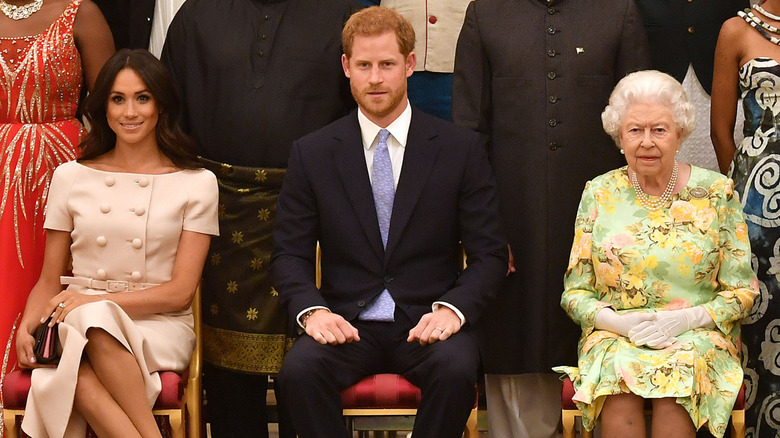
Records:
x=389, y=193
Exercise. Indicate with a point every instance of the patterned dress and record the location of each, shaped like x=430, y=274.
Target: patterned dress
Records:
x=756, y=174
x=693, y=252
x=40, y=84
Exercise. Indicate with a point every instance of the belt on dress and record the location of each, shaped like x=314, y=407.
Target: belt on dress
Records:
x=106, y=285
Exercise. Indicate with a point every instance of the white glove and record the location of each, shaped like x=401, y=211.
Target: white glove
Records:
x=608, y=319
x=669, y=324
x=648, y=333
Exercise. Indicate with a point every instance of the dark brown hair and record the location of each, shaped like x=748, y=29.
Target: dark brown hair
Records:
x=374, y=21
x=171, y=139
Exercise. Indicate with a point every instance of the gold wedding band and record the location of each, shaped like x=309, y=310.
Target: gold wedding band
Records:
x=61, y=305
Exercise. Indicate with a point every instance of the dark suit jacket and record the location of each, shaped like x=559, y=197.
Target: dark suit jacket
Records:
x=683, y=32
x=445, y=194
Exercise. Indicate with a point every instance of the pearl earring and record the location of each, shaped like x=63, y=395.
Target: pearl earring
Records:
x=622, y=152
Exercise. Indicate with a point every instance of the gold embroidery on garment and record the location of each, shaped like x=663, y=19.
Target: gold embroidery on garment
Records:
x=248, y=352
x=264, y=214
x=41, y=88
x=251, y=314
x=256, y=264
x=232, y=287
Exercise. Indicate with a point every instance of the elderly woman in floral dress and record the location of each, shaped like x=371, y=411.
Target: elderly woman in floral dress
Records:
x=659, y=276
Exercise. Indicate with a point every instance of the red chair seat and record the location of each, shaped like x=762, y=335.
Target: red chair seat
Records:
x=16, y=386
x=381, y=391
x=568, y=392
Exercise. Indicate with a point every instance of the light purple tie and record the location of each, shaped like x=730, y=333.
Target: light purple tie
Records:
x=383, y=308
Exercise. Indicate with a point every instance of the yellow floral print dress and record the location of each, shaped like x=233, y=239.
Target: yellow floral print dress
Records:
x=693, y=252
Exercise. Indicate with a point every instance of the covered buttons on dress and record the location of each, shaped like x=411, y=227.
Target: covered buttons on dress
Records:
x=137, y=243
x=101, y=240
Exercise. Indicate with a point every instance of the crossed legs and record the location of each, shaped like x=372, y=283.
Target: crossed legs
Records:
x=623, y=415
x=110, y=392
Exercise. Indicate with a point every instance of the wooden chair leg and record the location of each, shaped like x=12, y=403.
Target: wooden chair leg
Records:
x=589, y=433
x=568, y=417
x=471, y=425
x=192, y=407
x=177, y=424
x=738, y=424
x=9, y=424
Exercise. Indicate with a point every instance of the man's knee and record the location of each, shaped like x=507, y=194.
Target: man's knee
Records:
x=456, y=365
x=304, y=364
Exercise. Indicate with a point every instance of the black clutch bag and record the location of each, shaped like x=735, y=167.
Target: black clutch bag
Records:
x=47, y=343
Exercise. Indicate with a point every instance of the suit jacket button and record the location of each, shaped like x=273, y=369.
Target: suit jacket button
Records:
x=388, y=279
x=361, y=304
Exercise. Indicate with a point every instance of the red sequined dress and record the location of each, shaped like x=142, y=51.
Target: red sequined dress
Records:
x=40, y=84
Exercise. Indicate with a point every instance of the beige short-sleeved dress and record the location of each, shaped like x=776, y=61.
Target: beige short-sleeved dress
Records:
x=124, y=227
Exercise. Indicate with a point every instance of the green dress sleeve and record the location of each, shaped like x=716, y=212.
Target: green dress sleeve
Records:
x=580, y=299
x=736, y=294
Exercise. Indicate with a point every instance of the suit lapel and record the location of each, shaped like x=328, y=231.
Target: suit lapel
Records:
x=420, y=154
x=351, y=165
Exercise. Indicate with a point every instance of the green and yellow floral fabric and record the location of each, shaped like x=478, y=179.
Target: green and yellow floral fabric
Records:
x=693, y=252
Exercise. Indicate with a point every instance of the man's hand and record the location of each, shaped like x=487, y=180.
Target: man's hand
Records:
x=438, y=325
x=330, y=328
x=511, y=267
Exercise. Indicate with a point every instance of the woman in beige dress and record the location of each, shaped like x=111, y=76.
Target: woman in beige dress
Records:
x=136, y=215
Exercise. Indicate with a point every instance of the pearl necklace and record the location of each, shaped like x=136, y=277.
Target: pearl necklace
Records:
x=20, y=12
x=644, y=199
